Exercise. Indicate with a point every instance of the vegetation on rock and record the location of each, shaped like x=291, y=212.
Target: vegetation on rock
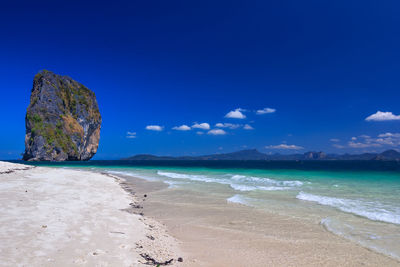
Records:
x=62, y=121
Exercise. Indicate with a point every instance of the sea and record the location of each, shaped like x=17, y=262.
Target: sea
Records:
x=357, y=200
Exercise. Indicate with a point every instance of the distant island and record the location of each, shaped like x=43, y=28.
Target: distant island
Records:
x=254, y=154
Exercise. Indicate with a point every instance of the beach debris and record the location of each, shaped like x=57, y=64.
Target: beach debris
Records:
x=152, y=261
x=44, y=226
x=122, y=233
x=14, y=170
x=150, y=237
x=135, y=206
x=180, y=259
x=145, y=195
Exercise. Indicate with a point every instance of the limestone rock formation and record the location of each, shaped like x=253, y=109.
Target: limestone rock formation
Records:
x=62, y=121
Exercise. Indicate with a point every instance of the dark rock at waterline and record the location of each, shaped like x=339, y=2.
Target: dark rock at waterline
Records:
x=62, y=121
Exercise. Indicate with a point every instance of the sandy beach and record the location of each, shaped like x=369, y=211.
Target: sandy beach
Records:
x=67, y=217
x=216, y=233
x=63, y=217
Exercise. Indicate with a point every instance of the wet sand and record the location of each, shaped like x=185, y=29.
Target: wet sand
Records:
x=213, y=232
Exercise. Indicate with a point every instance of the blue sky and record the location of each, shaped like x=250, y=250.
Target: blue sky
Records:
x=323, y=67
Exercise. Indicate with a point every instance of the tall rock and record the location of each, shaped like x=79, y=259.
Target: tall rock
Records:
x=62, y=121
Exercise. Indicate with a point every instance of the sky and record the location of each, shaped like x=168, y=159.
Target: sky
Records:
x=204, y=77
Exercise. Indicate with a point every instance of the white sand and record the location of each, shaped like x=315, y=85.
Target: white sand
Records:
x=63, y=217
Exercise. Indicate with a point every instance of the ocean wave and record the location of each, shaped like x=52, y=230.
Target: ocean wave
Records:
x=265, y=181
x=200, y=178
x=241, y=187
x=375, y=211
x=237, y=182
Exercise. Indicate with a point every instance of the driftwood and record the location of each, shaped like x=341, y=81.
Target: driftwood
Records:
x=152, y=261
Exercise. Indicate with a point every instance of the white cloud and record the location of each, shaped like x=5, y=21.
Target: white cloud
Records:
x=354, y=138
x=389, y=135
x=227, y=125
x=362, y=145
x=285, y=146
x=338, y=146
x=203, y=126
x=236, y=114
x=154, y=128
x=182, y=128
x=334, y=140
x=200, y=133
x=248, y=127
x=130, y=135
x=383, y=116
x=216, y=132
x=265, y=111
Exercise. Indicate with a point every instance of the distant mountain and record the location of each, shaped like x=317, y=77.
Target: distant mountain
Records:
x=148, y=157
x=249, y=154
x=388, y=155
x=254, y=154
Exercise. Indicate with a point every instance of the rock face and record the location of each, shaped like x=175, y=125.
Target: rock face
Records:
x=62, y=121
x=314, y=155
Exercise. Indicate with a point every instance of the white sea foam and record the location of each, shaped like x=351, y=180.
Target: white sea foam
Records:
x=201, y=178
x=172, y=184
x=237, y=182
x=241, y=187
x=265, y=181
x=239, y=200
x=375, y=211
x=133, y=174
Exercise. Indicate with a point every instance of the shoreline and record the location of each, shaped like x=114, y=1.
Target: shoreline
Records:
x=156, y=223
x=216, y=233
x=70, y=217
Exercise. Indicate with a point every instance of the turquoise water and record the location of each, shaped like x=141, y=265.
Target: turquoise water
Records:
x=362, y=206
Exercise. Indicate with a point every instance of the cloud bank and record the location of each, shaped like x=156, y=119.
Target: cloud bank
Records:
x=365, y=141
